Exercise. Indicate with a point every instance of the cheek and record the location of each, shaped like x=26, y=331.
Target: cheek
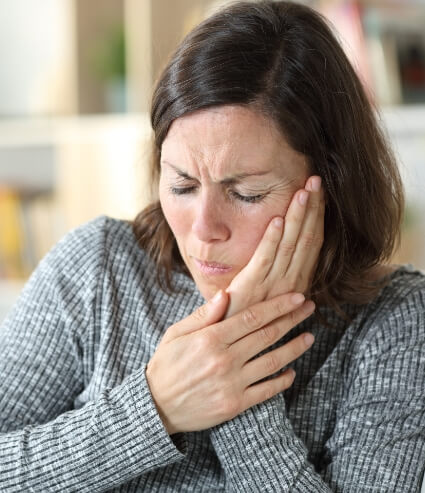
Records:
x=247, y=242
x=173, y=213
x=249, y=233
x=251, y=228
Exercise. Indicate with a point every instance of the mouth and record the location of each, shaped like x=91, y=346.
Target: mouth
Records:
x=212, y=268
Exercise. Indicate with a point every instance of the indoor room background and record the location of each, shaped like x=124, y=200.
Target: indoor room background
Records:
x=75, y=83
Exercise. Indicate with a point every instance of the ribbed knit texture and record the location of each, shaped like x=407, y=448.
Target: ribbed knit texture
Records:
x=76, y=413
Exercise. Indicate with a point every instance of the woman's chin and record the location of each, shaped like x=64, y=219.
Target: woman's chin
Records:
x=209, y=288
x=209, y=291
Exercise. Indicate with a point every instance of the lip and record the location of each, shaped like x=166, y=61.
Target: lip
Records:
x=212, y=268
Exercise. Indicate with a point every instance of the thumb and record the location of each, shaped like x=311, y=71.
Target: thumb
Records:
x=207, y=314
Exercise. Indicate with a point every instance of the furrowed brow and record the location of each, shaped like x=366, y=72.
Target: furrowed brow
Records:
x=240, y=176
x=177, y=170
x=227, y=181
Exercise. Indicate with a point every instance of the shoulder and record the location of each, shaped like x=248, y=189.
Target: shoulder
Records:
x=78, y=254
x=102, y=262
x=75, y=242
x=95, y=242
x=395, y=320
x=63, y=286
x=96, y=232
x=403, y=297
x=82, y=258
x=108, y=248
x=386, y=340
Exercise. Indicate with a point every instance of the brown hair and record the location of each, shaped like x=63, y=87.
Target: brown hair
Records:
x=282, y=59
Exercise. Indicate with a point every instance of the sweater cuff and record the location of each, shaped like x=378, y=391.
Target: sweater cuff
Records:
x=162, y=448
x=259, y=451
x=258, y=425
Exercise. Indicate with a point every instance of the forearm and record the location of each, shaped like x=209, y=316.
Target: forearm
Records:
x=260, y=452
x=106, y=443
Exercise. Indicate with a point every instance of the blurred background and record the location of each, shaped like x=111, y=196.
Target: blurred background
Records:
x=75, y=83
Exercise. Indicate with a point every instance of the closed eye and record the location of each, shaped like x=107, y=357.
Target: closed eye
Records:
x=247, y=198
x=182, y=190
x=235, y=195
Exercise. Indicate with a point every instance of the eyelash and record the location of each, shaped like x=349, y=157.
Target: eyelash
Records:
x=251, y=199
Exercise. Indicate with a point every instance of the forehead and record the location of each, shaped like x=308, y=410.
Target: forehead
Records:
x=229, y=139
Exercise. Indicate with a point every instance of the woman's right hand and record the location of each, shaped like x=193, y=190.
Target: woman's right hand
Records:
x=203, y=370
x=286, y=258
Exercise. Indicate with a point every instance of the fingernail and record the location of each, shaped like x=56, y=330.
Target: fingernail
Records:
x=316, y=182
x=277, y=221
x=309, y=339
x=309, y=306
x=297, y=298
x=217, y=296
x=302, y=197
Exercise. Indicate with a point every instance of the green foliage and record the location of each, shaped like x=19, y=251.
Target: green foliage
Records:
x=411, y=217
x=109, y=55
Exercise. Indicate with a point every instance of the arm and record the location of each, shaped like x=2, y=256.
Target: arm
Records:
x=106, y=443
x=259, y=451
x=377, y=445
x=45, y=444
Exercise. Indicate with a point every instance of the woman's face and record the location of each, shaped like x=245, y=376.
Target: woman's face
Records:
x=225, y=173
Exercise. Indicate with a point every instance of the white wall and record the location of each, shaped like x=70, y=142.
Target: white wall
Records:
x=36, y=57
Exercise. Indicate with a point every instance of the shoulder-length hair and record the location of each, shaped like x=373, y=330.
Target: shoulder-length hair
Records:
x=282, y=59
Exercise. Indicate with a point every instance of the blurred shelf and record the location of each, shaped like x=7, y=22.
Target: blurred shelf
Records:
x=28, y=169
x=89, y=53
x=47, y=130
x=57, y=173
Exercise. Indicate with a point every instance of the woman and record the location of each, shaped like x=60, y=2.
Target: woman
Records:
x=148, y=356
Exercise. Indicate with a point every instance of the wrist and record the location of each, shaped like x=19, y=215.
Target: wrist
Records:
x=263, y=419
x=171, y=430
x=162, y=415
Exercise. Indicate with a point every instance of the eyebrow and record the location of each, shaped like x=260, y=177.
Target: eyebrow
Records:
x=229, y=180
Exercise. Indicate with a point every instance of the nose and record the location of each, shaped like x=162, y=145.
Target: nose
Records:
x=210, y=220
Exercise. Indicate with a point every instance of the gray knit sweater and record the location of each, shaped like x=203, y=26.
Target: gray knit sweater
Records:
x=76, y=413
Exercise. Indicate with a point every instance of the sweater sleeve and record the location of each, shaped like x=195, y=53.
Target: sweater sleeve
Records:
x=378, y=442
x=46, y=444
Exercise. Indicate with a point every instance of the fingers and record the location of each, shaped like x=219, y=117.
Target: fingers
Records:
x=206, y=315
x=311, y=236
x=275, y=360
x=264, y=256
x=312, y=259
x=261, y=339
x=263, y=391
x=293, y=221
x=255, y=317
